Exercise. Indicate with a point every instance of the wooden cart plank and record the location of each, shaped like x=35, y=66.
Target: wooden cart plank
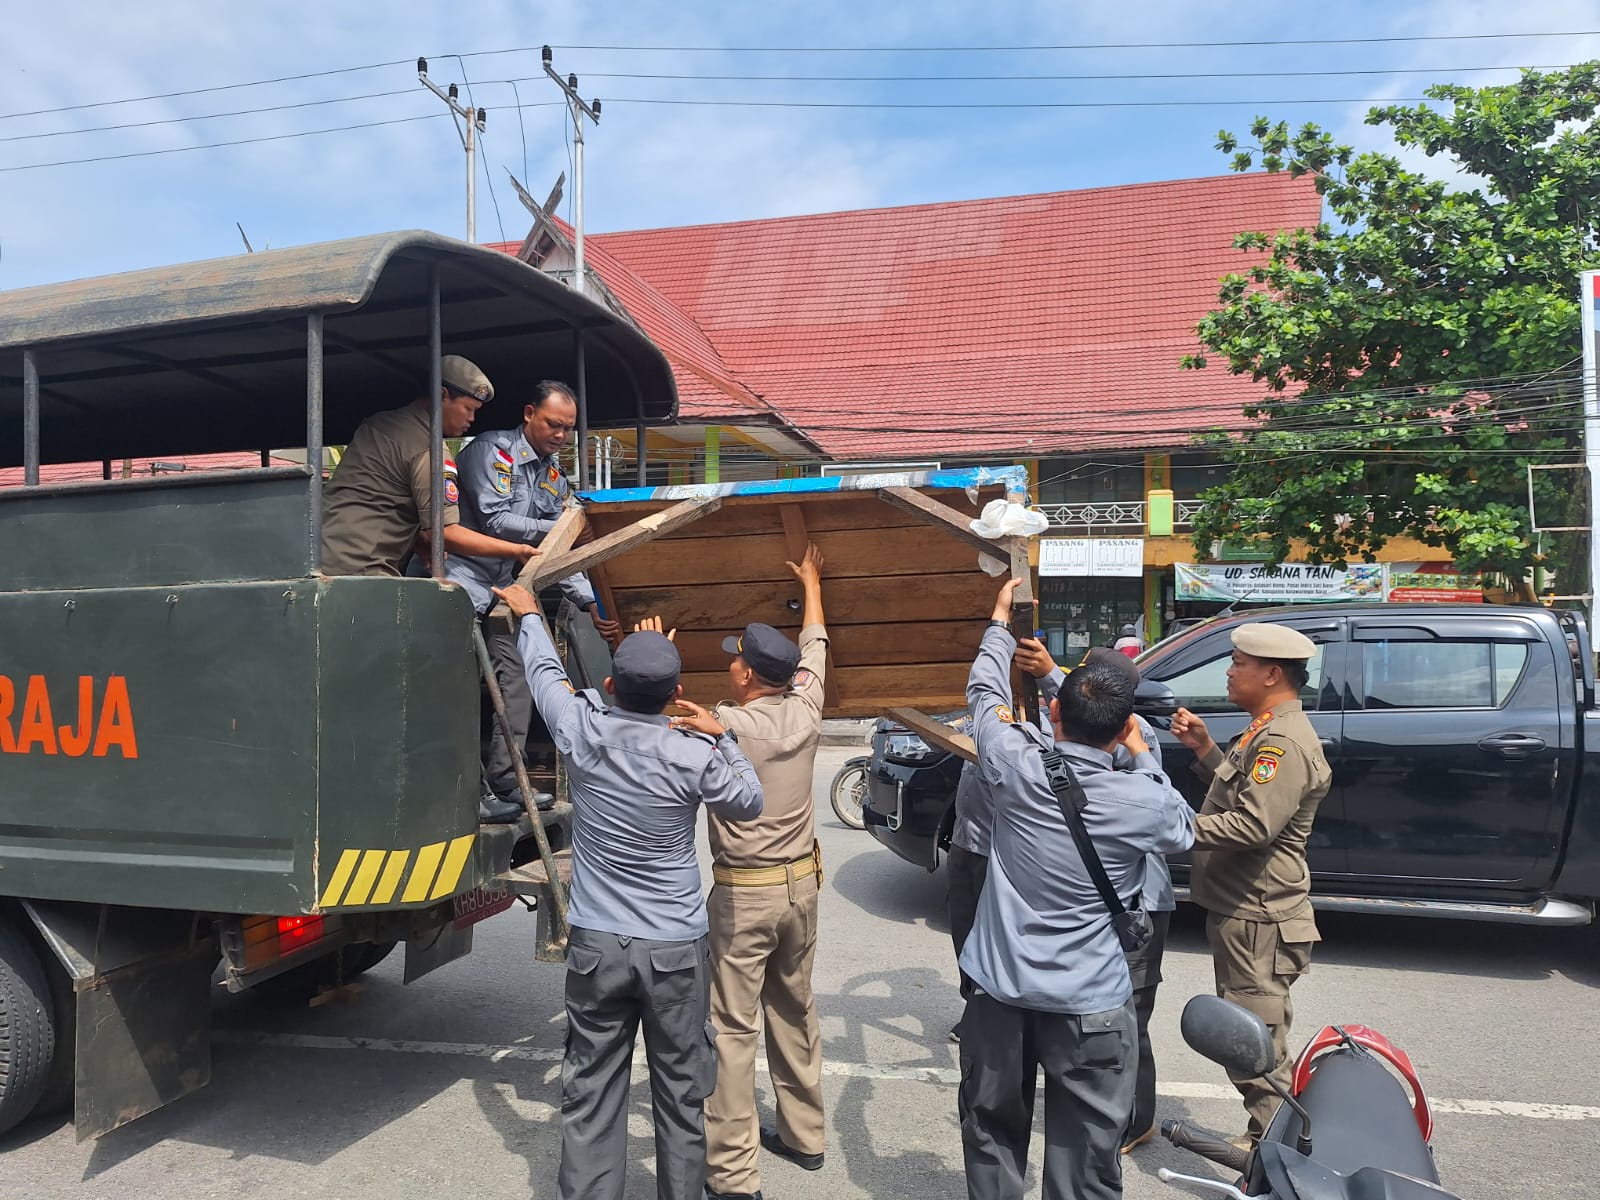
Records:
x=620, y=541
x=935, y=733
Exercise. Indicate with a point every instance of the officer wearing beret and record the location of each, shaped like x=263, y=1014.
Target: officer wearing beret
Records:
x=637, y=951
x=381, y=496
x=1249, y=871
x=513, y=489
x=764, y=906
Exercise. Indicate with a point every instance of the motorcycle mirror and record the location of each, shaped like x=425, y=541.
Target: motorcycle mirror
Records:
x=1228, y=1035
x=1152, y=698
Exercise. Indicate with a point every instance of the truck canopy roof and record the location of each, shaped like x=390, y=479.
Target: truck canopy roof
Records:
x=211, y=356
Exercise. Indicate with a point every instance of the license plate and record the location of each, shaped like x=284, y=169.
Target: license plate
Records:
x=480, y=904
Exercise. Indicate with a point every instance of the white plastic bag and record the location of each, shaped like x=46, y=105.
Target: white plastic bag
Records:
x=1006, y=518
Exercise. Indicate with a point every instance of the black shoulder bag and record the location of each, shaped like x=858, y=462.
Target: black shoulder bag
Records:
x=1132, y=925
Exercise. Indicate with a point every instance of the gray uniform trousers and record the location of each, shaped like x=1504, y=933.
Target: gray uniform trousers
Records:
x=1089, y=1075
x=615, y=984
x=1144, y=968
x=498, y=771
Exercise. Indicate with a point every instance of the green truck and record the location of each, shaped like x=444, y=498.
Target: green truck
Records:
x=213, y=758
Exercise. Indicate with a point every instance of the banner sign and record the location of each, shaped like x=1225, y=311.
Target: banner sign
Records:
x=1091, y=558
x=1289, y=583
x=1433, y=583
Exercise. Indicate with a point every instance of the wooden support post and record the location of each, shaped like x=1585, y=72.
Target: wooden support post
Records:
x=552, y=567
x=795, y=539
x=1024, y=622
x=935, y=733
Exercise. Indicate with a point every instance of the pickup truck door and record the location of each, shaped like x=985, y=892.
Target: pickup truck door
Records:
x=1459, y=750
x=1197, y=675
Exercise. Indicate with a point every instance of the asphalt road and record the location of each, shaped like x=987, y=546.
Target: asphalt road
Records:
x=448, y=1088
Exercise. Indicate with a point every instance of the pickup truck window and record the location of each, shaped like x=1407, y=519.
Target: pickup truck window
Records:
x=1433, y=674
x=1204, y=688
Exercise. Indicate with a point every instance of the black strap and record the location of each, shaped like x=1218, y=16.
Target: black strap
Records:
x=1069, y=795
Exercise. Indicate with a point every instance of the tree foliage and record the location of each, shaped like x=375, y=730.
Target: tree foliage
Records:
x=1422, y=345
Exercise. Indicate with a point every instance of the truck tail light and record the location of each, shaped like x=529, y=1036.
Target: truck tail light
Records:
x=270, y=938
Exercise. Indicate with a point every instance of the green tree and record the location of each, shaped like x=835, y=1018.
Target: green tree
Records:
x=1422, y=345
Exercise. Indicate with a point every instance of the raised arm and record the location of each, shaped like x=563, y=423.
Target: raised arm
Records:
x=553, y=693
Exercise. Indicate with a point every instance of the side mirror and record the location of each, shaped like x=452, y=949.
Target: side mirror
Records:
x=1152, y=698
x=1228, y=1035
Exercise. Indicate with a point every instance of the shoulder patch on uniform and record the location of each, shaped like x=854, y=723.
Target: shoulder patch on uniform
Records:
x=502, y=455
x=1003, y=711
x=1269, y=750
x=567, y=683
x=1265, y=768
x=502, y=478
x=802, y=678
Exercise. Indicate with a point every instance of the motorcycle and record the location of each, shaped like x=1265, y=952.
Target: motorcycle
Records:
x=1346, y=1130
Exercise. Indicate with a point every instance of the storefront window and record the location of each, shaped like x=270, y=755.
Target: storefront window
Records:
x=1078, y=613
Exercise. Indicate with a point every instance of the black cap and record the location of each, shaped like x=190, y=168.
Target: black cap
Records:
x=1114, y=660
x=646, y=666
x=766, y=651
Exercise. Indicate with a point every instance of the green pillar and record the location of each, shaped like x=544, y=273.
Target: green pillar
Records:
x=713, y=454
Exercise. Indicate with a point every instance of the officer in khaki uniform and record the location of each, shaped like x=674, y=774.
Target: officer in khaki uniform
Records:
x=381, y=496
x=1249, y=871
x=763, y=909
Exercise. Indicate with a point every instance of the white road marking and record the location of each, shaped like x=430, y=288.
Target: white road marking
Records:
x=946, y=1076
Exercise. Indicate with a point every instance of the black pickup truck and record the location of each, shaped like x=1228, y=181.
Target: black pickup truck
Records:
x=1464, y=742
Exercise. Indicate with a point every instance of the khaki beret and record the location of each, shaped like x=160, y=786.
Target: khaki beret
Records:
x=462, y=375
x=1265, y=640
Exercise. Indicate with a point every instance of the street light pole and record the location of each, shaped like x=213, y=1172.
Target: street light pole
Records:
x=578, y=109
x=475, y=119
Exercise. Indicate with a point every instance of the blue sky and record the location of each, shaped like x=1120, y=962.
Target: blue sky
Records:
x=654, y=164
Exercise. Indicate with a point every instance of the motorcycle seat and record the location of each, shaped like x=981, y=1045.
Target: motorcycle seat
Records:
x=1360, y=1117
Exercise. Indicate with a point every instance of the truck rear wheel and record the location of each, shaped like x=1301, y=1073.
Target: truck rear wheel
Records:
x=27, y=1028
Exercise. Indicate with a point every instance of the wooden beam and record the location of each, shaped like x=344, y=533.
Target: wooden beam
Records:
x=559, y=566
x=564, y=534
x=953, y=522
x=935, y=733
x=796, y=539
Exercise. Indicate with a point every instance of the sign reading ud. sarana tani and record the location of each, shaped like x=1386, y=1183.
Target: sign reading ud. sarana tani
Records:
x=1288, y=583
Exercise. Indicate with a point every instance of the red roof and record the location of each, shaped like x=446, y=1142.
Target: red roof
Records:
x=1025, y=324
x=142, y=468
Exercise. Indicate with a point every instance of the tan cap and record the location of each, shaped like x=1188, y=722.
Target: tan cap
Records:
x=462, y=375
x=1265, y=640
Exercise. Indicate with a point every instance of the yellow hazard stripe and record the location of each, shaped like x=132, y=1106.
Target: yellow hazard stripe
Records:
x=368, y=877
x=454, y=860
x=341, y=876
x=422, y=874
x=390, y=880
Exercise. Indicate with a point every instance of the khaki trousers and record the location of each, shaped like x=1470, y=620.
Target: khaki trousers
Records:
x=1255, y=963
x=763, y=940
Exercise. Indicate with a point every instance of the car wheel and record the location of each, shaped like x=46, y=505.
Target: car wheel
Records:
x=849, y=792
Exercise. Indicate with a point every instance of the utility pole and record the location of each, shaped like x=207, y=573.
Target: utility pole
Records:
x=475, y=119
x=579, y=110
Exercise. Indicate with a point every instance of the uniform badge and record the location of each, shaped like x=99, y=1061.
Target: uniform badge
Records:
x=452, y=494
x=1004, y=713
x=1266, y=767
x=803, y=677
x=552, y=481
x=502, y=480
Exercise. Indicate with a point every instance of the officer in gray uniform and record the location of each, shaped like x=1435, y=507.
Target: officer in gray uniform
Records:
x=512, y=488
x=1052, y=990
x=1156, y=897
x=638, y=951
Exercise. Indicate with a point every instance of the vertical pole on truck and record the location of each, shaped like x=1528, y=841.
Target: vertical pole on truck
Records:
x=435, y=430
x=30, y=419
x=524, y=784
x=1588, y=300
x=314, y=437
x=580, y=383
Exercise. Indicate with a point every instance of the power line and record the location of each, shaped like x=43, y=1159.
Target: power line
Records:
x=221, y=87
x=1013, y=104
x=276, y=137
x=1321, y=41
x=1074, y=78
